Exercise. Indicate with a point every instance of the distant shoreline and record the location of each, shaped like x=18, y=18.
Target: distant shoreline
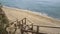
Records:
x=37, y=13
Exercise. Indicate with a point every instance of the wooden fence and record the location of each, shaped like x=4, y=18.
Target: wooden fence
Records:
x=29, y=29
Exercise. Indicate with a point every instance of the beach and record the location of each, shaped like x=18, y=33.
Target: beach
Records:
x=14, y=14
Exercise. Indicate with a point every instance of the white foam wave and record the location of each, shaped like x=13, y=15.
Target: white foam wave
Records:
x=46, y=15
x=42, y=14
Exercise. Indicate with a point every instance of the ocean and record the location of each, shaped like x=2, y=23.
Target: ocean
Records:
x=48, y=7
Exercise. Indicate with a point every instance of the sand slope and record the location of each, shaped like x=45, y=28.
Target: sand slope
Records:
x=14, y=14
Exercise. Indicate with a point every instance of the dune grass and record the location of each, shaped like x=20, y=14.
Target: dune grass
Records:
x=3, y=21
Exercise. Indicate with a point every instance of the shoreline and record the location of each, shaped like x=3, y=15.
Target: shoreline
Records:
x=33, y=12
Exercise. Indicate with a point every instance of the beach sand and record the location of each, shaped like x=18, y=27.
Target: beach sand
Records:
x=19, y=14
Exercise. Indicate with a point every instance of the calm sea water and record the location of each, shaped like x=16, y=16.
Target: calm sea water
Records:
x=49, y=7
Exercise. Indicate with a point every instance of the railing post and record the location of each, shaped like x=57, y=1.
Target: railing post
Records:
x=25, y=20
x=32, y=28
x=37, y=30
x=22, y=22
x=25, y=23
x=22, y=27
x=19, y=24
x=21, y=30
x=15, y=28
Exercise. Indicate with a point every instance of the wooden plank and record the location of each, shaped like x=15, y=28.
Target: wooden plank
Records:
x=47, y=26
x=33, y=31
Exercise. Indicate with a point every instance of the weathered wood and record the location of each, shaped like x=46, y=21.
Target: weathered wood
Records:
x=25, y=20
x=33, y=31
x=25, y=28
x=15, y=28
x=32, y=26
x=48, y=26
x=37, y=30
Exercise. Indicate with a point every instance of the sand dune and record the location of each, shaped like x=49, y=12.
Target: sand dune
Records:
x=19, y=14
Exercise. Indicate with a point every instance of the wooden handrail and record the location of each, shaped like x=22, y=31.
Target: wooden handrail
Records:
x=44, y=26
x=23, y=28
